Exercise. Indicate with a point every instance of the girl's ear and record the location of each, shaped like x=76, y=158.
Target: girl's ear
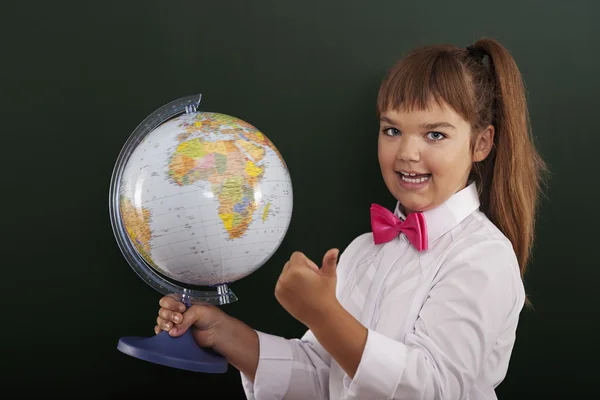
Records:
x=483, y=144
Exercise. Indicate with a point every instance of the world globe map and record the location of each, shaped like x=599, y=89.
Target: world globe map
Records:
x=205, y=198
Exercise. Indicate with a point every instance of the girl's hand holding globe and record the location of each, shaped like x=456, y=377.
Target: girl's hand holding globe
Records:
x=203, y=319
x=211, y=328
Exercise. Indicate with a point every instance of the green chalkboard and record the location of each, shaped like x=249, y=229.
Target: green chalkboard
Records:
x=77, y=77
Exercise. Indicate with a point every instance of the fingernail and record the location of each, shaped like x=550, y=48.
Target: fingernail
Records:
x=176, y=318
x=172, y=331
x=167, y=326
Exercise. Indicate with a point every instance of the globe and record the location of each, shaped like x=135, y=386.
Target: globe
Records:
x=198, y=200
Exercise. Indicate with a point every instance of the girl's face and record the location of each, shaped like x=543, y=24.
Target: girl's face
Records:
x=425, y=156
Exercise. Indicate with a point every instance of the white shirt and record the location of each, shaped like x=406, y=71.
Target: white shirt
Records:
x=441, y=323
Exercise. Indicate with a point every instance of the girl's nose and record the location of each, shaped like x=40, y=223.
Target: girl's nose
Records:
x=408, y=149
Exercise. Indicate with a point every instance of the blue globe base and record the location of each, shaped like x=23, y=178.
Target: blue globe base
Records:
x=177, y=352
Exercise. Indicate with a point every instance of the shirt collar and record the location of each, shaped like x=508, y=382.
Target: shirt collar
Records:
x=449, y=214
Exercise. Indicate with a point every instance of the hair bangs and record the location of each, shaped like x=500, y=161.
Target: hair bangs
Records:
x=427, y=77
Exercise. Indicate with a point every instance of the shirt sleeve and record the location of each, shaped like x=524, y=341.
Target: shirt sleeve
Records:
x=289, y=369
x=472, y=300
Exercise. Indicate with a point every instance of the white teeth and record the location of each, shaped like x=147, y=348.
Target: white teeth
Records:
x=414, y=180
x=407, y=174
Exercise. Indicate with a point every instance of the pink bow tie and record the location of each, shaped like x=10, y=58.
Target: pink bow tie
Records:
x=387, y=226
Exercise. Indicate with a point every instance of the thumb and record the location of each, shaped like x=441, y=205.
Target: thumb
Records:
x=330, y=262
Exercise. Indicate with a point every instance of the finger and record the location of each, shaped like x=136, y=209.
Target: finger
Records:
x=172, y=304
x=157, y=329
x=190, y=317
x=330, y=262
x=163, y=324
x=297, y=257
x=311, y=264
x=330, y=255
x=171, y=316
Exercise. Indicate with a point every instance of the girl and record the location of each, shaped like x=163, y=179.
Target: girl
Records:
x=426, y=306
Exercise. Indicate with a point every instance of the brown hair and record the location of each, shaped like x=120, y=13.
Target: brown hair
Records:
x=482, y=83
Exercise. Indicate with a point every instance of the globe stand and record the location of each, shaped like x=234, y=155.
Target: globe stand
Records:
x=181, y=352
x=177, y=352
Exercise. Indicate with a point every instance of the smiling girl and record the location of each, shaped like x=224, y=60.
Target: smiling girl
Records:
x=425, y=306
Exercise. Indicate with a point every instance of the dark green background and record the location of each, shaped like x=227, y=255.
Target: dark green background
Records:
x=77, y=77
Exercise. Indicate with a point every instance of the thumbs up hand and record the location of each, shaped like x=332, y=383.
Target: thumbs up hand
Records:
x=306, y=291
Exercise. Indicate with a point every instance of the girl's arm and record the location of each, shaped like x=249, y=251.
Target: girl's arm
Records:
x=238, y=343
x=343, y=336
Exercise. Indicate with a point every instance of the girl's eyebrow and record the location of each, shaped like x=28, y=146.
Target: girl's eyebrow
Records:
x=386, y=120
x=432, y=125
x=435, y=125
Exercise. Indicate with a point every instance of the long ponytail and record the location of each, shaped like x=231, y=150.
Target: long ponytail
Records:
x=512, y=175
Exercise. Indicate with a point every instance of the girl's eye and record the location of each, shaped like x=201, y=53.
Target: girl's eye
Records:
x=391, y=131
x=436, y=136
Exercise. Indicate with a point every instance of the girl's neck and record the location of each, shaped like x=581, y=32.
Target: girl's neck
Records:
x=404, y=210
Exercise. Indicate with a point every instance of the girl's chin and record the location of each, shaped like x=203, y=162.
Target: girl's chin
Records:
x=413, y=202
x=411, y=207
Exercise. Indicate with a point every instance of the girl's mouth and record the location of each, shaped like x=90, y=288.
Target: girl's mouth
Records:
x=414, y=178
